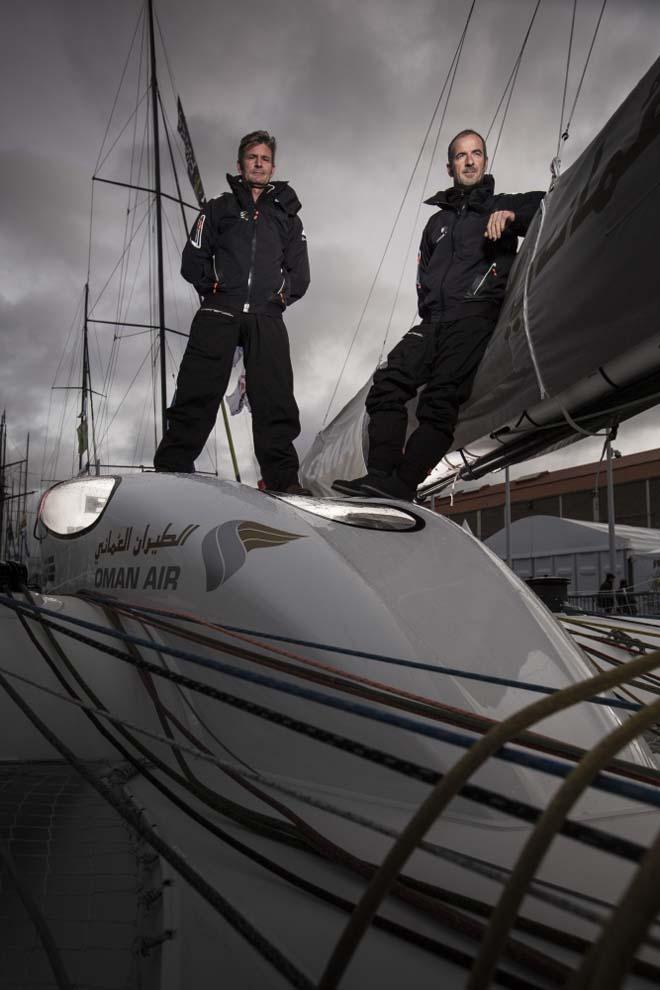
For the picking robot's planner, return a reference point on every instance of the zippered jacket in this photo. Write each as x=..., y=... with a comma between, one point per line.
x=460, y=271
x=247, y=257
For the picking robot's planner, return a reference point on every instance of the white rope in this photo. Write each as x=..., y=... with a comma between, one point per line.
x=525, y=306
x=545, y=394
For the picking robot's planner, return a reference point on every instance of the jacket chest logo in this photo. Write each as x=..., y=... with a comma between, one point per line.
x=196, y=239
x=443, y=232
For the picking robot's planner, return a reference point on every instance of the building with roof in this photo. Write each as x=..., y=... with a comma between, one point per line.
x=578, y=493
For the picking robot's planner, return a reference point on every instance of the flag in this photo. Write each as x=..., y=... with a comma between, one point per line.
x=82, y=436
x=238, y=399
x=191, y=161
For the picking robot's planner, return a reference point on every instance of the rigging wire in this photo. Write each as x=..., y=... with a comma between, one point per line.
x=113, y=361
x=472, y=905
x=603, y=841
x=60, y=434
x=454, y=66
x=378, y=691
x=536, y=846
x=174, y=90
x=394, y=225
x=514, y=70
x=578, y=692
x=584, y=71
x=460, y=774
x=114, y=143
x=135, y=819
x=121, y=80
x=566, y=74
x=188, y=703
x=36, y=917
x=410, y=891
x=123, y=399
x=198, y=687
x=325, y=647
x=132, y=199
x=483, y=868
x=127, y=246
x=105, y=286
x=73, y=325
x=514, y=79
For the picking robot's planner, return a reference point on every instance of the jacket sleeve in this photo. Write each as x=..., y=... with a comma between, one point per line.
x=197, y=260
x=296, y=263
x=524, y=205
x=423, y=258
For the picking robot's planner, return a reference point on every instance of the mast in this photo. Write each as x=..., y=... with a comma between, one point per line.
x=155, y=189
x=611, y=519
x=86, y=397
x=159, y=219
x=82, y=436
x=23, y=521
x=3, y=448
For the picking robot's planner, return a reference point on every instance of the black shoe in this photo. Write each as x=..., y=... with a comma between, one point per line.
x=295, y=489
x=353, y=488
x=390, y=487
x=298, y=489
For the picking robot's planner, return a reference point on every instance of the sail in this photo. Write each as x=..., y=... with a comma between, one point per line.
x=590, y=325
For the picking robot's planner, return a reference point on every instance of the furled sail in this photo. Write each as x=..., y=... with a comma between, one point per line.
x=580, y=321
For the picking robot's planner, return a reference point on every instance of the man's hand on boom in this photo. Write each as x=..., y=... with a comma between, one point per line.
x=497, y=222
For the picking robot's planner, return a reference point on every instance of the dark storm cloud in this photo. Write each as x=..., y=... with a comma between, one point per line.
x=348, y=89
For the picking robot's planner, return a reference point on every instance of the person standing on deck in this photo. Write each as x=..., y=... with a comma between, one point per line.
x=247, y=258
x=464, y=261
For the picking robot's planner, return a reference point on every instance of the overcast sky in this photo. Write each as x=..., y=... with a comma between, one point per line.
x=348, y=87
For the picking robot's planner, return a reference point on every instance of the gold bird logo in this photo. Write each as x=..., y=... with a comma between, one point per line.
x=225, y=547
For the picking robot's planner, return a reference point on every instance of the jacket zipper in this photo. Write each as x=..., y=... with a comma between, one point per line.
x=253, y=251
x=491, y=269
x=460, y=212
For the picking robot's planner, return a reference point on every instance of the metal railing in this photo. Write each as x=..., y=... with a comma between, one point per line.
x=644, y=603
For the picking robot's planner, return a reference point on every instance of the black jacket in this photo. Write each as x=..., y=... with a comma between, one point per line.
x=248, y=257
x=460, y=272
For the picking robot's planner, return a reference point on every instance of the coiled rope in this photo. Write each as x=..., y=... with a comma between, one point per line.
x=444, y=792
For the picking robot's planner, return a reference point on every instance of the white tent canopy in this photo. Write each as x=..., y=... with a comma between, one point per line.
x=536, y=535
x=542, y=545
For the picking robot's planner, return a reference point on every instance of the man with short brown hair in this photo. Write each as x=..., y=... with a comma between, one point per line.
x=247, y=258
x=466, y=254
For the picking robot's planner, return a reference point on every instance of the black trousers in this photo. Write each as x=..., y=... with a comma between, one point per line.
x=202, y=381
x=442, y=357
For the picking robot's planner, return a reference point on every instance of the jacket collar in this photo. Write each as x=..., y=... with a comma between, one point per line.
x=279, y=193
x=454, y=197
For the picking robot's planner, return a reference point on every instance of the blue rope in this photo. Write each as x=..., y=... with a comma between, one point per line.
x=469, y=675
x=620, y=788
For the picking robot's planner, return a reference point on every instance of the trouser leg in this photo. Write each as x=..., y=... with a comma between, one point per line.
x=458, y=352
x=407, y=367
x=275, y=416
x=201, y=383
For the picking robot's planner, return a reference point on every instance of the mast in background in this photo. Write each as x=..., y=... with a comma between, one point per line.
x=159, y=220
x=156, y=190
x=13, y=502
x=3, y=458
x=87, y=398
